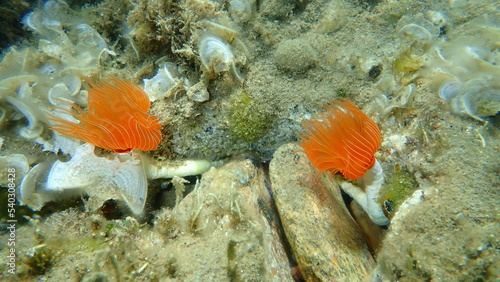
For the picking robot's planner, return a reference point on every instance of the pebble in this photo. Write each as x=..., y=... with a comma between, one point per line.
x=295, y=55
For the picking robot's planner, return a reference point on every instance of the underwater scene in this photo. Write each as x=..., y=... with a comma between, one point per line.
x=250, y=140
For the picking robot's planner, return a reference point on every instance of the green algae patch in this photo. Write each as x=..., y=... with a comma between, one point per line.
x=247, y=122
x=406, y=66
x=343, y=93
x=398, y=187
x=39, y=260
x=405, y=62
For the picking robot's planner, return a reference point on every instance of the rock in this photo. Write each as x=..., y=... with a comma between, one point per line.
x=327, y=243
x=295, y=55
x=373, y=232
x=226, y=229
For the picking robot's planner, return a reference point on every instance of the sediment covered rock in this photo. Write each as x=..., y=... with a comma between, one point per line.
x=326, y=241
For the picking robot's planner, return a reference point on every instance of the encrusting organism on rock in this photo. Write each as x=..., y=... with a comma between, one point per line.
x=116, y=118
x=344, y=139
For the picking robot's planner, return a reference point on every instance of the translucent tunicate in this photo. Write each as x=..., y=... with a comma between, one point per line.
x=466, y=68
x=52, y=24
x=49, y=69
x=29, y=184
x=217, y=56
x=417, y=28
x=89, y=36
x=240, y=10
x=34, y=128
x=55, y=9
x=49, y=20
x=480, y=99
x=51, y=49
x=33, y=20
x=198, y=92
x=74, y=84
x=87, y=171
x=29, y=110
x=450, y=89
x=57, y=93
x=437, y=18
x=167, y=78
x=100, y=178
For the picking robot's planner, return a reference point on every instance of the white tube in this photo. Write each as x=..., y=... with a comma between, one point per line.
x=155, y=170
x=373, y=180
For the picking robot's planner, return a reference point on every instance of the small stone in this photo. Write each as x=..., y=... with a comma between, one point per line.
x=295, y=55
